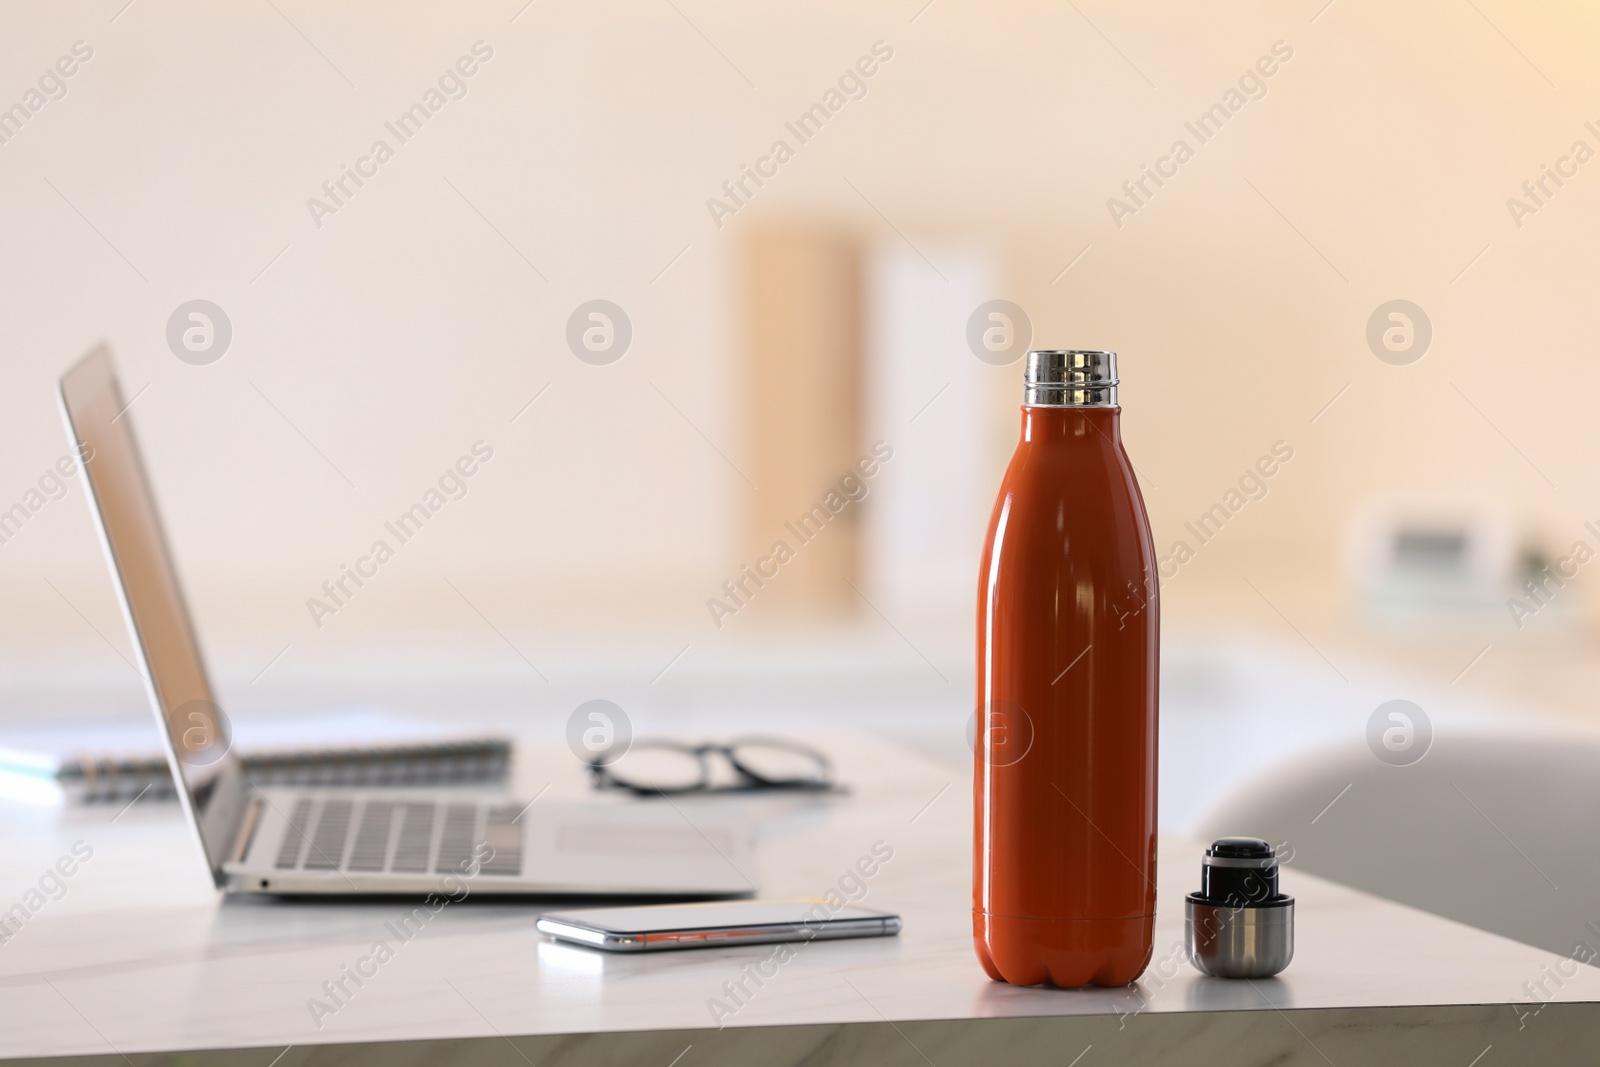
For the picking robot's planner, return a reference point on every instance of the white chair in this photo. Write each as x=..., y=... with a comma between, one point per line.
x=1500, y=832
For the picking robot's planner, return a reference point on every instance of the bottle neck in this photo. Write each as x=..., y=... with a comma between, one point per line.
x=1070, y=378
x=1045, y=423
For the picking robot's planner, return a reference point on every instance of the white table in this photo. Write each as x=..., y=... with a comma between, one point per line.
x=141, y=956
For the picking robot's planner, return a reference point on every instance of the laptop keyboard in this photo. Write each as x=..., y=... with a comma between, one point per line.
x=399, y=837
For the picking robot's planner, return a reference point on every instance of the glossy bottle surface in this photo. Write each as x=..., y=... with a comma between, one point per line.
x=1064, y=867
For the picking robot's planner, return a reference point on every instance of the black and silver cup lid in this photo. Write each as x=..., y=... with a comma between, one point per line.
x=1239, y=925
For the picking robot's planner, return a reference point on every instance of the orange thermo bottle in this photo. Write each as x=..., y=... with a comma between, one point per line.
x=1064, y=864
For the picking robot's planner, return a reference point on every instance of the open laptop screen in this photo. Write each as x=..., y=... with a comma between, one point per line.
x=152, y=602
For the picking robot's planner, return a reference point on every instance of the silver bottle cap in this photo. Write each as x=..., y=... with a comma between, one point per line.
x=1070, y=378
x=1253, y=942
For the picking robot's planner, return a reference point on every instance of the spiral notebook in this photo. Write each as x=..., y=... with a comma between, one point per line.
x=111, y=760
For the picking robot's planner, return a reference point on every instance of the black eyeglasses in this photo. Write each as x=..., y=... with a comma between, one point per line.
x=649, y=768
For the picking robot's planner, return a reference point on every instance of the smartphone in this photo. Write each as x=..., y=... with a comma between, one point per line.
x=650, y=927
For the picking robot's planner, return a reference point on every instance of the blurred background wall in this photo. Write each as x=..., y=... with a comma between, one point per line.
x=602, y=151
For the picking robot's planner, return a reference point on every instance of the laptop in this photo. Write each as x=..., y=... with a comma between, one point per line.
x=354, y=841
